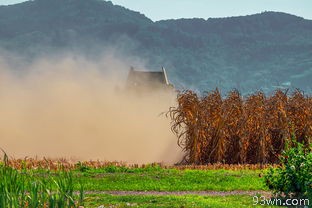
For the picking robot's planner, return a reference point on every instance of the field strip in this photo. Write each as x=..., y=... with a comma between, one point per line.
x=180, y=193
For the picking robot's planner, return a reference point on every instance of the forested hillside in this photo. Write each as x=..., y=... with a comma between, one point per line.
x=256, y=52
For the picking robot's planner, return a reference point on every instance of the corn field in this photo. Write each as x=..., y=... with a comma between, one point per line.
x=240, y=130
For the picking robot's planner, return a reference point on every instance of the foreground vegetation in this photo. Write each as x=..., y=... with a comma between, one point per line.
x=293, y=179
x=150, y=186
x=24, y=183
x=27, y=188
x=84, y=185
x=155, y=178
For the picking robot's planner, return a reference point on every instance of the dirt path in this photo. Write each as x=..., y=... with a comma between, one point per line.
x=180, y=193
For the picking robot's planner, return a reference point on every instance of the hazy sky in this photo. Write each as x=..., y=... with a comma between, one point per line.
x=168, y=9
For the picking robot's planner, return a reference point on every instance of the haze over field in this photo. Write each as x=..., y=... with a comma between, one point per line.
x=67, y=107
x=60, y=96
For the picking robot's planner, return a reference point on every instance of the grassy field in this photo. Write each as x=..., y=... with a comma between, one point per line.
x=159, y=179
x=153, y=186
x=171, y=201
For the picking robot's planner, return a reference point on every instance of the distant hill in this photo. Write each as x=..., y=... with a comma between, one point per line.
x=261, y=51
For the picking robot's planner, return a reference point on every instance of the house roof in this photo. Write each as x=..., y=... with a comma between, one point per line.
x=146, y=78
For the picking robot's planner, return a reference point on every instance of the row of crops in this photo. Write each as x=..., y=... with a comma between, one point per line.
x=55, y=165
x=237, y=129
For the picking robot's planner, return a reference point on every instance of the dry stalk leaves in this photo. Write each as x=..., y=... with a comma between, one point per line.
x=237, y=130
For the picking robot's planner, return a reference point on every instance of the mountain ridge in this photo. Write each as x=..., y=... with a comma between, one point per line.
x=253, y=52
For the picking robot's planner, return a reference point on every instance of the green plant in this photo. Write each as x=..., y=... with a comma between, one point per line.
x=82, y=167
x=293, y=179
x=37, y=188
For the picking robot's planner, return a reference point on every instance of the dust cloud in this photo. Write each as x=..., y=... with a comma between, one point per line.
x=74, y=108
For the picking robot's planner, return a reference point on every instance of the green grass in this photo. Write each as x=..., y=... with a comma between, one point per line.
x=158, y=179
x=27, y=188
x=54, y=184
x=170, y=201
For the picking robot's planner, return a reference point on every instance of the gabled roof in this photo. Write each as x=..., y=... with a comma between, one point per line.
x=146, y=78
